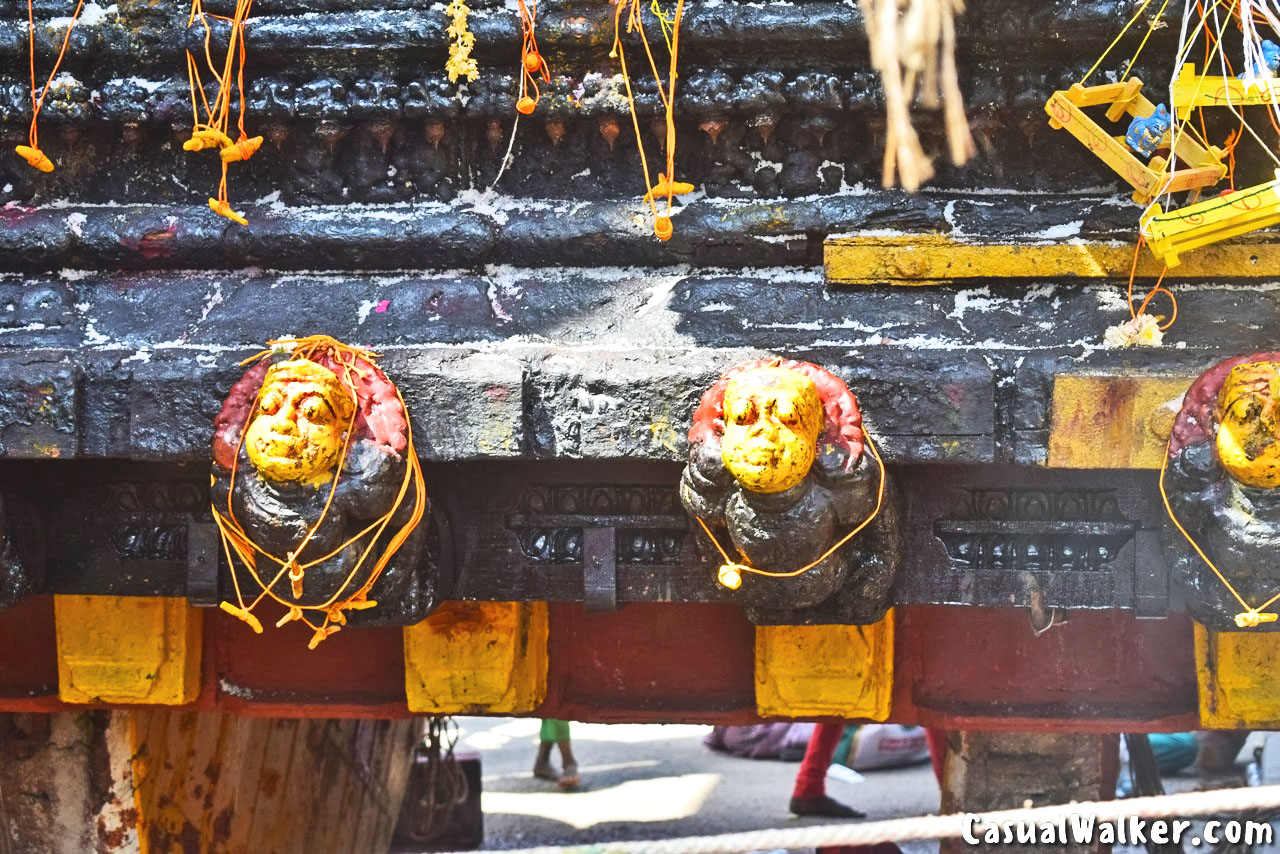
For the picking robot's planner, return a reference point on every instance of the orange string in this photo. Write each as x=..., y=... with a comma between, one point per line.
x=1155, y=289
x=231, y=68
x=38, y=102
x=666, y=96
x=529, y=47
x=1168, y=507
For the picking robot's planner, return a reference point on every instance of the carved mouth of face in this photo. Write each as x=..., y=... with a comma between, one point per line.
x=763, y=453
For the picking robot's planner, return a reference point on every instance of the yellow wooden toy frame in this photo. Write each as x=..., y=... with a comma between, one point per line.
x=1204, y=166
x=1211, y=220
x=1191, y=90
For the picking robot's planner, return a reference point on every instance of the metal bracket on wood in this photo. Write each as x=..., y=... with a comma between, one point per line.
x=600, y=568
x=202, y=564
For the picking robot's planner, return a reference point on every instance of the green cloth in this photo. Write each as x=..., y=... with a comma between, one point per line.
x=554, y=730
x=845, y=746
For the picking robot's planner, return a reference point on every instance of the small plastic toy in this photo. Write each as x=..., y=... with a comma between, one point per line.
x=1270, y=63
x=1198, y=166
x=1147, y=133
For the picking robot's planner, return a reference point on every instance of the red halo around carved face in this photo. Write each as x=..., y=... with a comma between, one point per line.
x=843, y=420
x=380, y=416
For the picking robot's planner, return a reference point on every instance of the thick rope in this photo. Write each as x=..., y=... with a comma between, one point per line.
x=1180, y=805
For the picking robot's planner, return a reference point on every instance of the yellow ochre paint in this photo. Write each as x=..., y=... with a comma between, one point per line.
x=477, y=657
x=840, y=671
x=772, y=418
x=930, y=259
x=127, y=649
x=298, y=429
x=1236, y=675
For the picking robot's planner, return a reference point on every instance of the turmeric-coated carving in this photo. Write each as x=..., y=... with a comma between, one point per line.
x=318, y=492
x=302, y=416
x=782, y=479
x=772, y=417
x=1220, y=483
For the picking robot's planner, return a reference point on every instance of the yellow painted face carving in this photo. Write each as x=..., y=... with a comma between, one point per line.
x=1248, y=424
x=298, y=429
x=772, y=418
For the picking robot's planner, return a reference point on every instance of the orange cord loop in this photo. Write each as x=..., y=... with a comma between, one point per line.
x=667, y=186
x=35, y=157
x=229, y=74
x=32, y=153
x=241, y=150
x=223, y=208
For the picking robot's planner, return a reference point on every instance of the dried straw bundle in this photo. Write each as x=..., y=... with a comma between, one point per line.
x=913, y=46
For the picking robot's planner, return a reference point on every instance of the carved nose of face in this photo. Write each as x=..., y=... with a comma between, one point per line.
x=285, y=423
x=767, y=428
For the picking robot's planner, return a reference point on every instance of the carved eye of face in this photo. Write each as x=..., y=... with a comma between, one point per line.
x=271, y=401
x=747, y=413
x=785, y=411
x=1245, y=408
x=316, y=410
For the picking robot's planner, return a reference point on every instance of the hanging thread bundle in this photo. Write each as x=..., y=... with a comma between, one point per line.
x=913, y=46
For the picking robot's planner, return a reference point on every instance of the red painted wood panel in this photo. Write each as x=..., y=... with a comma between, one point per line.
x=652, y=662
x=28, y=656
x=357, y=672
x=1101, y=671
x=955, y=667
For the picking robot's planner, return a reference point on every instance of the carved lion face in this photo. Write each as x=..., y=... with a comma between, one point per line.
x=1249, y=424
x=772, y=418
x=300, y=423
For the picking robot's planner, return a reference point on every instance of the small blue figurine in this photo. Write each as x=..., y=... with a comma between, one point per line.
x=1144, y=134
x=1270, y=60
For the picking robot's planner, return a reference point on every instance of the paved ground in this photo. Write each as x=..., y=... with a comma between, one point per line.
x=650, y=782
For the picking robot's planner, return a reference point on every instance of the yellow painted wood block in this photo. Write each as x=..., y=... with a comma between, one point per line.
x=1113, y=422
x=477, y=658
x=127, y=649
x=1236, y=672
x=1211, y=221
x=836, y=671
x=931, y=259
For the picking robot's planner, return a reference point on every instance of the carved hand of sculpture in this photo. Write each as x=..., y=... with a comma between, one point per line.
x=778, y=472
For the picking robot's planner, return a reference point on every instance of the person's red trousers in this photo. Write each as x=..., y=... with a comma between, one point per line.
x=811, y=778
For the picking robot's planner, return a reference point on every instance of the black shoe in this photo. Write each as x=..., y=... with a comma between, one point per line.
x=823, y=805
